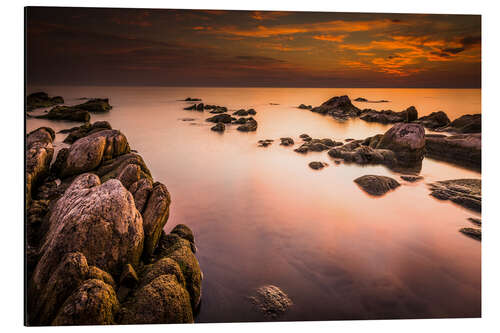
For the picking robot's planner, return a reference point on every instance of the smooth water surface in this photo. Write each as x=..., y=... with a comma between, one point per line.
x=262, y=216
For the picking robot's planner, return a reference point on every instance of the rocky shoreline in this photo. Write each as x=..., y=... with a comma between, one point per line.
x=96, y=250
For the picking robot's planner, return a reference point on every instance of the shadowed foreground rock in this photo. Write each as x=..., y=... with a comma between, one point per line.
x=376, y=185
x=66, y=113
x=271, y=301
x=407, y=141
x=79, y=132
x=464, y=192
x=469, y=123
x=97, y=218
x=434, y=120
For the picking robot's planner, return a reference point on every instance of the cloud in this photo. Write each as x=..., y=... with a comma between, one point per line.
x=281, y=47
x=262, y=16
x=262, y=31
x=331, y=38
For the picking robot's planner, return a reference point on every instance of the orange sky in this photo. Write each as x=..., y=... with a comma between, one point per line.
x=251, y=48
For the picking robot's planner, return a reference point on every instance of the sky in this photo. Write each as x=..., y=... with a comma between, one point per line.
x=163, y=47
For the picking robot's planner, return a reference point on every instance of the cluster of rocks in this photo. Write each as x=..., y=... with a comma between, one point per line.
x=96, y=251
x=244, y=113
x=246, y=124
x=216, y=109
x=42, y=100
x=317, y=145
x=80, y=112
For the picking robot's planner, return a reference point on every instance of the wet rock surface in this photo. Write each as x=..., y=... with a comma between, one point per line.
x=250, y=125
x=464, y=192
x=389, y=116
x=317, y=165
x=460, y=149
x=287, y=141
x=376, y=185
x=271, y=301
x=219, y=127
x=472, y=232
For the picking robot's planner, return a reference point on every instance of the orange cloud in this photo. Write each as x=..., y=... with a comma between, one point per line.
x=331, y=38
x=281, y=47
x=262, y=31
x=262, y=16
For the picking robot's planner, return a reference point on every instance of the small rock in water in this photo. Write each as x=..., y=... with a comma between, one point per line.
x=472, y=232
x=376, y=185
x=286, y=141
x=219, y=127
x=271, y=301
x=475, y=220
x=265, y=143
x=411, y=179
x=317, y=165
x=187, y=119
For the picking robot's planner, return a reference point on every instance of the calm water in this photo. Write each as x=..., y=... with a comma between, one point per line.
x=262, y=216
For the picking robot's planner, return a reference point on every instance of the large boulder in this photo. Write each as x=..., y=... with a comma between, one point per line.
x=407, y=141
x=39, y=153
x=162, y=301
x=338, y=107
x=100, y=221
x=155, y=217
x=89, y=152
x=271, y=301
x=461, y=149
x=376, y=185
x=93, y=303
x=115, y=167
x=49, y=290
x=79, y=132
x=179, y=246
x=140, y=191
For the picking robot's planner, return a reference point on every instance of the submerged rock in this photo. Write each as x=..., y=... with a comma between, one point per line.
x=219, y=127
x=95, y=105
x=461, y=149
x=287, y=141
x=475, y=220
x=271, y=301
x=189, y=99
x=472, y=232
x=362, y=99
x=66, y=113
x=265, y=143
x=464, y=192
x=221, y=118
x=339, y=107
x=249, y=126
x=317, y=165
x=241, y=113
x=42, y=100
x=305, y=107
x=376, y=185
x=317, y=145
x=411, y=179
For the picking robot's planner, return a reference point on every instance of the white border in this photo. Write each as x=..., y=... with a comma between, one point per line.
x=12, y=131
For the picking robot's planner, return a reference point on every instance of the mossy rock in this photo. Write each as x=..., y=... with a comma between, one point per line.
x=162, y=301
x=93, y=303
